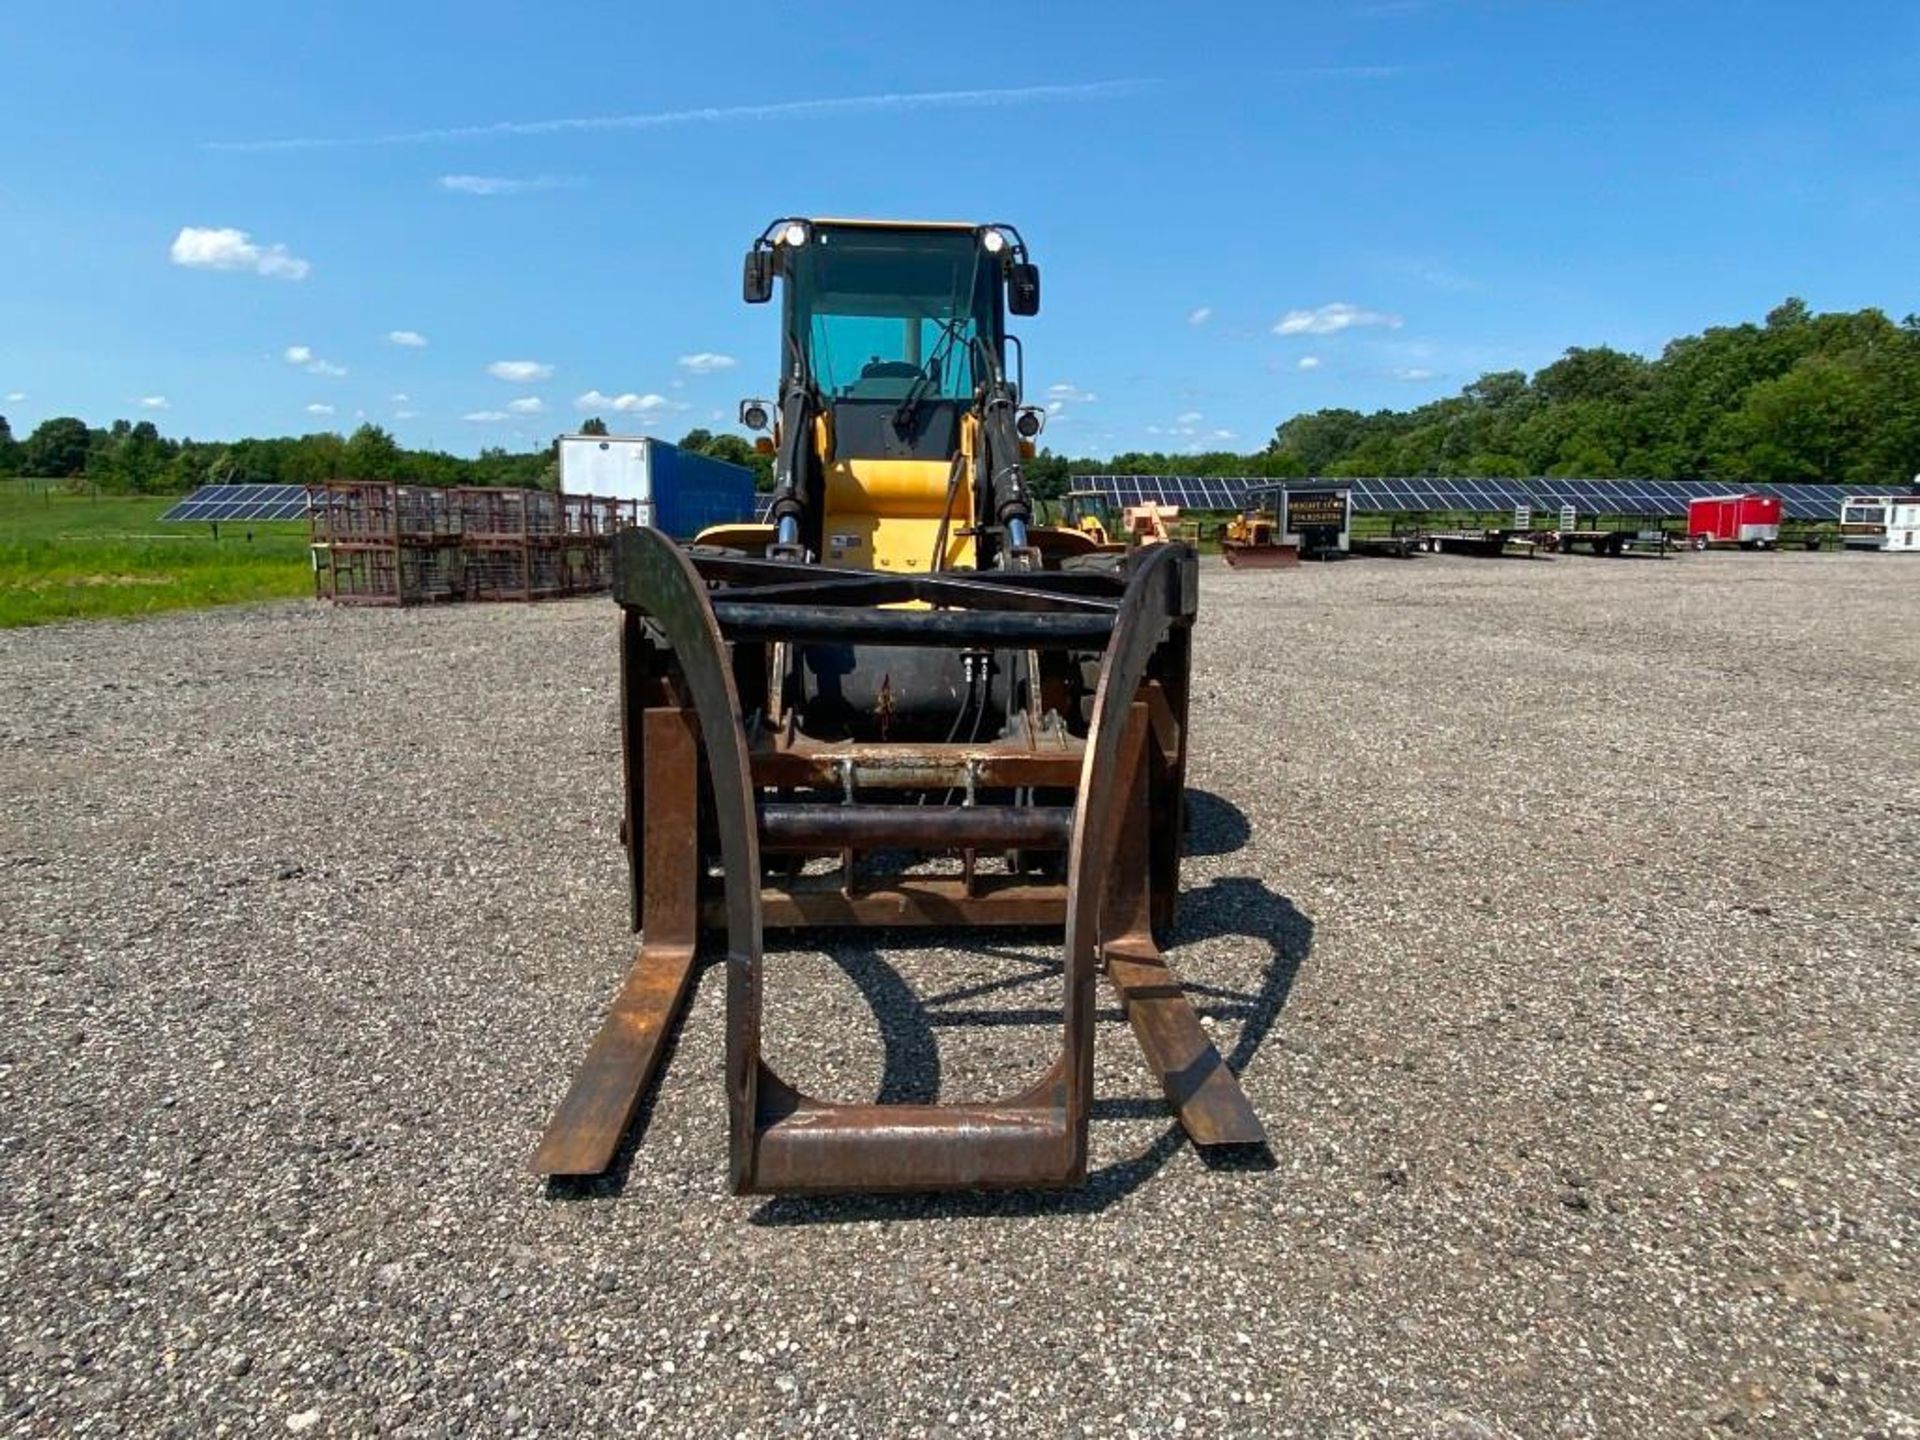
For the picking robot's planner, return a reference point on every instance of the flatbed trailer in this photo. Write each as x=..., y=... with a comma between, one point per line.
x=1609, y=543
x=1597, y=542
x=1648, y=542
x=1486, y=544
x=1394, y=547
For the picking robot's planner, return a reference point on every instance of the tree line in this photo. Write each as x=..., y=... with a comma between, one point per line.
x=134, y=458
x=1830, y=398
x=1801, y=396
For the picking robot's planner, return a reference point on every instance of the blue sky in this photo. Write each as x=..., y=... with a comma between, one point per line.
x=1241, y=211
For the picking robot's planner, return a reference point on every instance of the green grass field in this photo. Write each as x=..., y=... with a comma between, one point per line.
x=77, y=557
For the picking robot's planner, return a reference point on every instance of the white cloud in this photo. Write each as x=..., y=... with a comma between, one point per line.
x=411, y=339
x=319, y=409
x=527, y=405
x=154, y=402
x=1416, y=372
x=1331, y=319
x=399, y=397
x=486, y=417
x=706, y=362
x=406, y=414
x=1309, y=362
x=15, y=396
x=1054, y=407
x=504, y=184
x=1200, y=315
x=1226, y=435
x=202, y=248
x=303, y=356
x=521, y=372
x=1190, y=417
x=1066, y=390
x=627, y=404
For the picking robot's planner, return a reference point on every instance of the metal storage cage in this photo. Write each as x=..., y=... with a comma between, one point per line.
x=378, y=543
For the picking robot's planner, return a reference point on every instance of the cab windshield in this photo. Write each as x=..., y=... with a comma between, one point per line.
x=877, y=312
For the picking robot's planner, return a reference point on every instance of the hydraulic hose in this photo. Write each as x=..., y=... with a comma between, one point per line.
x=792, y=494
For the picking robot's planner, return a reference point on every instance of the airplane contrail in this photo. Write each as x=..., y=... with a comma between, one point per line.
x=661, y=119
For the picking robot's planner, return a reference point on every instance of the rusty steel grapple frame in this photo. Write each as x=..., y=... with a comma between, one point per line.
x=710, y=788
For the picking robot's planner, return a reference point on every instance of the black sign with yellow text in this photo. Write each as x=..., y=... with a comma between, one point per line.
x=1314, y=509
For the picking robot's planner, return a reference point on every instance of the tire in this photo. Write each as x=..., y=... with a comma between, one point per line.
x=1700, y=543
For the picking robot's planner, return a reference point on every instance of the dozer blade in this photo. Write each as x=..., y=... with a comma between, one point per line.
x=1260, y=557
x=696, y=630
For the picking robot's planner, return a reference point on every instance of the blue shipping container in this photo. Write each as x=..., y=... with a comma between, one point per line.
x=692, y=491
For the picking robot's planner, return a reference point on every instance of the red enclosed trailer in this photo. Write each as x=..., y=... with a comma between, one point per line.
x=1750, y=521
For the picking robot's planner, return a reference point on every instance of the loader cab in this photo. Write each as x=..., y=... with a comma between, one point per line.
x=893, y=352
x=887, y=324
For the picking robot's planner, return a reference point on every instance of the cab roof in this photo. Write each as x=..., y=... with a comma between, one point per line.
x=871, y=224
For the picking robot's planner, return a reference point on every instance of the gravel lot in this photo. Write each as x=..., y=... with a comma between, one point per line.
x=1562, y=916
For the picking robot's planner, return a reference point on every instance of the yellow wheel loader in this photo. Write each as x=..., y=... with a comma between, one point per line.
x=899, y=702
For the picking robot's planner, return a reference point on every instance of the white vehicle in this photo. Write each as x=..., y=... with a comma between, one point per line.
x=1882, y=522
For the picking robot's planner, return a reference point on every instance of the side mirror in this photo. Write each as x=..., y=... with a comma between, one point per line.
x=756, y=279
x=1023, y=289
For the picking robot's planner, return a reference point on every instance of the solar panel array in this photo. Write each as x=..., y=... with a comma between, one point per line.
x=242, y=502
x=1654, y=499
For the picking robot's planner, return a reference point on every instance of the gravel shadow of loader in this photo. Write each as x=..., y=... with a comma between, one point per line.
x=1238, y=905
x=1242, y=906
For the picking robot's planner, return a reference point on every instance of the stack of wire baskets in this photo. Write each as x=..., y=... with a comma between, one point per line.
x=378, y=543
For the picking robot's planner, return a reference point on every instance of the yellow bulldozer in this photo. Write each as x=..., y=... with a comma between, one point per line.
x=1251, y=540
x=900, y=701
x=1090, y=513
